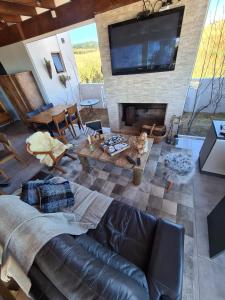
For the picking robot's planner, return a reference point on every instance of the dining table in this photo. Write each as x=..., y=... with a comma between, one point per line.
x=45, y=117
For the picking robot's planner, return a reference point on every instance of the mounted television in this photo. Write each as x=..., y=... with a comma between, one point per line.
x=146, y=45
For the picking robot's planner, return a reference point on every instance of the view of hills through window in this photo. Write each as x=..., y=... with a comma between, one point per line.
x=86, y=51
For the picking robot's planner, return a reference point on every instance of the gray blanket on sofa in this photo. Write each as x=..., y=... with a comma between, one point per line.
x=24, y=230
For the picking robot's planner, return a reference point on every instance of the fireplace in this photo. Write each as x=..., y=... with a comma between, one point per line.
x=135, y=115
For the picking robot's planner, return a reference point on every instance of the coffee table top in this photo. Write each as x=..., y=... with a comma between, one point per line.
x=118, y=160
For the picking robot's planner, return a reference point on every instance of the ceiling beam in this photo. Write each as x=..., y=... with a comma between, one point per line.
x=34, y=3
x=10, y=18
x=68, y=14
x=15, y=9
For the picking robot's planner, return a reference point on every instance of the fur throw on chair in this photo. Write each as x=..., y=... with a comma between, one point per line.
x=44, y=142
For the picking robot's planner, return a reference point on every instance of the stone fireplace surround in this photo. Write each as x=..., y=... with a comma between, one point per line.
x=166, y=87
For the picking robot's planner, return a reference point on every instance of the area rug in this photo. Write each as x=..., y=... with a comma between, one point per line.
x=150, y=196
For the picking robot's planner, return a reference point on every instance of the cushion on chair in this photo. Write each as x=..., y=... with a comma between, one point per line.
x=46, y=106
x=53, y=197
x=51, y=126
x=33, y=113
x=73, y=117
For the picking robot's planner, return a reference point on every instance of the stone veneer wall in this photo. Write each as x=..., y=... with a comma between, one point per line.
x=165, y=87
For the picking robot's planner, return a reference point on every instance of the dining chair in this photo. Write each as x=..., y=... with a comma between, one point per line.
x=74, y=118
x=8, y=153
x=60, y=124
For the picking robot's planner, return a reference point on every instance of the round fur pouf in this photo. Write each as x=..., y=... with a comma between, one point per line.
x=179, y=168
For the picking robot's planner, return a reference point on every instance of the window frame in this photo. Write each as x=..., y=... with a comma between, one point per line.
x=63, y=68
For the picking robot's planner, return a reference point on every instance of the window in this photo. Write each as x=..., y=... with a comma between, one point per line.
x=58, y=62
x=86, y=52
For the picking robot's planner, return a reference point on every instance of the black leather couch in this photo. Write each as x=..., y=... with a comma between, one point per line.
x=130, y=255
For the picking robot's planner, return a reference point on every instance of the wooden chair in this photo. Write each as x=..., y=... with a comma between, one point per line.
x=56, y=160
x=8, y=153
x=60, y=124
x=5, y=117
x=74, y=117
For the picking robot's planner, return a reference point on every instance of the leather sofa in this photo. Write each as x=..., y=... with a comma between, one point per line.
x=130, y=255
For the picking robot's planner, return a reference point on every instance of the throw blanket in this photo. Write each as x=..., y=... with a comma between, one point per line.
x=24, y=230
x=43, y=142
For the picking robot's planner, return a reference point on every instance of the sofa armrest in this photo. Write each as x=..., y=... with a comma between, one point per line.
x=165, y=272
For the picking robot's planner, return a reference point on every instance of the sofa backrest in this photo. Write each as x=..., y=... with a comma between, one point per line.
x=127, y=231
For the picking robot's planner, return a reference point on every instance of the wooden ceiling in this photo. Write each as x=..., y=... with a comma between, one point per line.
x=24, y=19
x=15, y=11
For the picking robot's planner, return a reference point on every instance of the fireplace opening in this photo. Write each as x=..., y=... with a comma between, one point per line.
x=136, y=115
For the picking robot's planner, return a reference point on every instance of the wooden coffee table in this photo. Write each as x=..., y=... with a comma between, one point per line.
x=119, y=160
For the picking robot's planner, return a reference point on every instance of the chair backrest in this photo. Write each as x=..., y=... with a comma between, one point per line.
x=33, y=113
x=46, y=106
x=5, y=141
x=73, y=111
x=59, y=119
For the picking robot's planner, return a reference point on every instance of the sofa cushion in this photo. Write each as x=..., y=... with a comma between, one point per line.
x=81, y=268
x=53, y=197
x=29, y=192
x=127, y=231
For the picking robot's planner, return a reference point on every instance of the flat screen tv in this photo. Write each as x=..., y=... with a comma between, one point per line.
x=146, y=45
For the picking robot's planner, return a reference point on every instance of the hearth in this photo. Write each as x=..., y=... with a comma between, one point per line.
x=138, y=114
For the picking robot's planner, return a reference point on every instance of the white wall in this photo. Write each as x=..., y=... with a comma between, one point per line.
x=55, y=91
x=165, y=87
x=15, y=59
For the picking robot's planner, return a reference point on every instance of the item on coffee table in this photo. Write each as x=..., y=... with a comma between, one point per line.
x=89, y=139
x=115, y=144
x=138, y=161
x=142, y=143
x=131, y=161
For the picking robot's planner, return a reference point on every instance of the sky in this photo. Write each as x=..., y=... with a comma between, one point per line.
x=84, y=34
x=219, y=7
x=89, y=33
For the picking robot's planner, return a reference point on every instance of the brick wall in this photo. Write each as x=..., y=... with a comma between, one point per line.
x=165, y=87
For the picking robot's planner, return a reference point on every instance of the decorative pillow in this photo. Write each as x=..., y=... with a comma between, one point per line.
x=29, y=192
x=53, y=197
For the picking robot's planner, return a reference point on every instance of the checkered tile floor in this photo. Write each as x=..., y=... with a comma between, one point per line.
x=150, y=196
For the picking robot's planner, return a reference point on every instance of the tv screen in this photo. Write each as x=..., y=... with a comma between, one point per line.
x=146, y=45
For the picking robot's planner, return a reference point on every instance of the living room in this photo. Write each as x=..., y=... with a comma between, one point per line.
x=117, y=203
